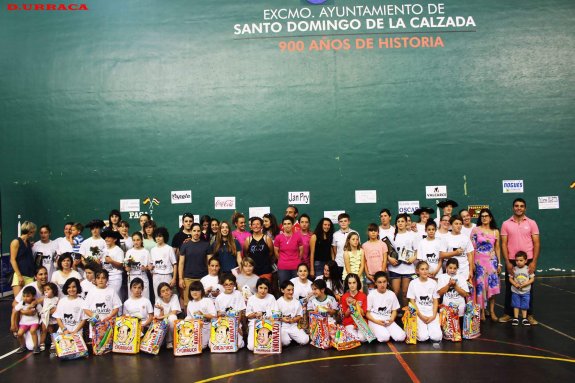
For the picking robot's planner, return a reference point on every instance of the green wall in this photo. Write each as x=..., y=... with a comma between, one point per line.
x=135, y=99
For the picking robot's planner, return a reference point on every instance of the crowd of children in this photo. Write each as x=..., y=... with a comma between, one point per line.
x=411, y=266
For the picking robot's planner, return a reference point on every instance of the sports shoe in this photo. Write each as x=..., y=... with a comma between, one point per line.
x=37, y=350
x=504, y=319
x=170, y=345
x=532, y=320
x=42, y=347
x=21, y=350
x=525, y=322
x=515, y=322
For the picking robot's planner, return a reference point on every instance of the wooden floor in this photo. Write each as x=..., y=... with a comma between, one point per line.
x=543, y=353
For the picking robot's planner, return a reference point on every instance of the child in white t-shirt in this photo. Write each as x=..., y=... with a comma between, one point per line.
x=459, y=246
x=429, y=248
x=302, y=285
x=246, y=279
x=102, y=303
x=200, y=307
x=211, y=281
x=167, y=306
x=48, y=308
x=291, y=313
x=69, y=314
x=452, y=286
x=422, y=293
x=382, y=306
x=29, y=320
x=163, y=260
x=89, y=283
x=137, y=305
x=231, y=300
x=259, y=305
x=137, y=261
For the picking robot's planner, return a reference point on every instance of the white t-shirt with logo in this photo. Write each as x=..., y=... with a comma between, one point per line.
x=290, y=309
x=48, y=253
x=428, y=250
x=403, y=241
x=117, y=255
x=91, y=242
x=102, y=301
x=163, y=259
x=172, y=305
x=300, y=290
x=424, y=293
x=452, y=296
x=234, y=301
x=138, y=307
x=70, y=312
x=382, y=305
x=138, y=258
x=454, y=242
x=204, y=305
x=265, y=305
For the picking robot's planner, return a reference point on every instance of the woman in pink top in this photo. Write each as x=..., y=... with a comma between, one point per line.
x=304, y=224
x=288, y=248
x=240, y=233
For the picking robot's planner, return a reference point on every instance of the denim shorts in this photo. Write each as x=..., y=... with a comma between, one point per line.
x=520, y=301
x=393, y=275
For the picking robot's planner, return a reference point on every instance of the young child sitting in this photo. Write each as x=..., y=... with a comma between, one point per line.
x=521, y=282
x=29, y=320
x=382, y=306
x=167, y=306
x=259, y=305
x=231, y=300
x=422, y=292
x=200, y=307
x=291, y=312
x=353, y=297
x=452, y=286
x=137, y=305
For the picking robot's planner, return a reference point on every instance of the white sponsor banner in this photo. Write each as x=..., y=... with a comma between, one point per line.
x=512, y=186
x=332, y=215
x=181, y=196
x=298, y=198
x=549, y=202
x=436, y=192
x=224, y=203
x=259, y=211
x=129, y=205
x=407, y=206
x=365, y=196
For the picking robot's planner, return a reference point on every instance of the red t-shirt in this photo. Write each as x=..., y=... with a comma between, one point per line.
x=361, y=299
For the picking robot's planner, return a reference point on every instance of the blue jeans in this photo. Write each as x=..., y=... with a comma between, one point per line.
x=286, y=275
x=318, y=267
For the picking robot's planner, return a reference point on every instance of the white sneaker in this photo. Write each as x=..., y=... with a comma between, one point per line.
x=170, y=345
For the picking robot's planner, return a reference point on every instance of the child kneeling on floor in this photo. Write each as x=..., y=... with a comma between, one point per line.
x=291, y=313
x=422, y=292
x=382, y=306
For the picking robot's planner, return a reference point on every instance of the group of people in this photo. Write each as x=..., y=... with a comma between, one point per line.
x=210, y=269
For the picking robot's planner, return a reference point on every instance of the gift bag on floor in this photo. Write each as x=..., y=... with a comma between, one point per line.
x=361, y=324
x=341, y=339
x=69, y=346
x=449, y=319
x=471, y=321
x=409, y=320
x=102, y=336
x=154, y=337
x=319, y=330
x=224, y=333
x=127, y=334
x=267, y=336
x=188, y=337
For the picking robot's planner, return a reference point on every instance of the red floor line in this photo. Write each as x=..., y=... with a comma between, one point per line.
x=16, y=362
x=403, y=363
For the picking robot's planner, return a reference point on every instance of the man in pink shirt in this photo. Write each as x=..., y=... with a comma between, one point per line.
x=519, y=233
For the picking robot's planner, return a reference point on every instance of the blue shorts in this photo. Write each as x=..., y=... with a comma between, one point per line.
x=520, y=301
x=393, y=275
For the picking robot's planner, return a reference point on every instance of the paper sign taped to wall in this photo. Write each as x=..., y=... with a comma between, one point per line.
x=475, y=209
x=332, y=215
x=433, y=192
x=366, y=196
x=127, y=205
x=549, y=202
x=224, y=203
x=259, y=211
x=512, y=186
x=298, y=198
x=182, y=196
x=407, y=207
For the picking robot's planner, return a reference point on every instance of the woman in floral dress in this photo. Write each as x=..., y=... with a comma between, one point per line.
x=487, y=258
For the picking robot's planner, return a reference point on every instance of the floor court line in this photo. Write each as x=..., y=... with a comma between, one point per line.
x=546, y=326
x=403, y=363
x=470, y=353
x=557, y=288
x=8, y=354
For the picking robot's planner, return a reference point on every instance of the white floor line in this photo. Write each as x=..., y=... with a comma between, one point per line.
x=557, y=288
x=8, y=354
x=546, y=326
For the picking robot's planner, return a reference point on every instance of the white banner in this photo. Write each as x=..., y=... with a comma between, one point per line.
x=129, y=205
x=512, y=186
x=298, y=198
x=407, y=206
x=366, y=196
x=182, y=196
x=224, y=203
x=436, y=192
